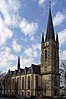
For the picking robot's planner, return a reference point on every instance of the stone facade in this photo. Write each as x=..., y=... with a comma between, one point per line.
x=43, y=79
x=19, y=84
x=50, y=67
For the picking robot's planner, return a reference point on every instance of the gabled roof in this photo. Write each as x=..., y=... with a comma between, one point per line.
x=16, y=71
x=25, y=70
x=20, y=71
x=11, y=72
x=50, y=29
x=34, y=69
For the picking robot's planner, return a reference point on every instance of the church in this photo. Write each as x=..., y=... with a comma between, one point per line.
x=42, y=79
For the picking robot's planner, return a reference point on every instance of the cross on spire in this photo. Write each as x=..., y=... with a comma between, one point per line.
x=50, y=4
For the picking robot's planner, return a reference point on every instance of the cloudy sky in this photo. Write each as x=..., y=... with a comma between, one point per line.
x=21, y=25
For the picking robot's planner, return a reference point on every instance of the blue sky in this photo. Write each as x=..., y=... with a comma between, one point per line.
x=21, y=25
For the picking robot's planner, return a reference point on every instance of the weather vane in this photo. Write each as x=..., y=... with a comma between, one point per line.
x=49, y=3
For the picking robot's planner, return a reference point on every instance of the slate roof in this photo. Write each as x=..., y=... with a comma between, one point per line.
x=50, y=29
x=27, y=70
x=36, y=69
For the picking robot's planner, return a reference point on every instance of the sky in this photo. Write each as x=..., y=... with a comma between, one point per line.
x=21, y=25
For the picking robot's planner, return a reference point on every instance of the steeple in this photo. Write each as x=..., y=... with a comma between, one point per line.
x=18, y=65
x=42, y=37
x=50, y=29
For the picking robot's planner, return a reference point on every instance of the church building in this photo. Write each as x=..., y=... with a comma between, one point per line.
x=42, y=79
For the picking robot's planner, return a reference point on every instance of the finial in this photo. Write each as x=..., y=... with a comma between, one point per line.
x=49, y=4
x=42, y=37
x=18, y=63
x=57, y=38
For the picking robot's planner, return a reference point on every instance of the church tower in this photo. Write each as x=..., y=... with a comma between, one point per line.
x=50, y=78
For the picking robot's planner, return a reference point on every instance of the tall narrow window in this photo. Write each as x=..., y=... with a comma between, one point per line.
x=36, y=80
x=28, y=82
x=17, y=85
x=45, y=54
x=45, y=68
x=22, y=83
x=13, y=84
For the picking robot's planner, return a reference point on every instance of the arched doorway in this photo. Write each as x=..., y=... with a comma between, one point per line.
x=39, y=91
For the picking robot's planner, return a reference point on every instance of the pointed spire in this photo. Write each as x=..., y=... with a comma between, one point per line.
x=50, y=29
x=18, y=63
x=57, y=41
x=42, y=37
x=9, y=71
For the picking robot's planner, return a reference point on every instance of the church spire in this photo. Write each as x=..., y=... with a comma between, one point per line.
x=18, y=63
x=50, y=28
x=42, y=37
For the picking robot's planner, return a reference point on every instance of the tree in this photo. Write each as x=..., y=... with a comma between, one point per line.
x=46, y=85
x=2, y=76
x=63, y=74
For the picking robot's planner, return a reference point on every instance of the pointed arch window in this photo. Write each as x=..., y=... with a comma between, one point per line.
x=36, y=80
x=45, y=54
x=28, y=82
x=22, y=83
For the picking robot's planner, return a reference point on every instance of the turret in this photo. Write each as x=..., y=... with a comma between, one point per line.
x=42, y=37
x=18, y=65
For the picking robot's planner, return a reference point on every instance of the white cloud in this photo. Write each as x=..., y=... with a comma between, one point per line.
x=16, y=46
x=12, y=68
x=26, y=62
x=63, y=55
x=28, y=52
x=9, y=10
x=6, y=54
x=6, y=58
x=41, y=2
x=8, y=17
x=62, y=37
x=5, y=32
x=28, y=28
x=32, y=37
x=54, y=2
x=14, y=5
x=37, y=46
x=59, y=18
x=31, y=52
